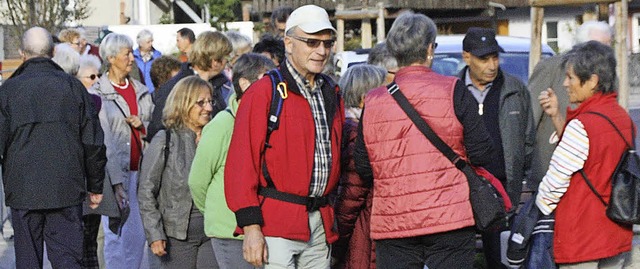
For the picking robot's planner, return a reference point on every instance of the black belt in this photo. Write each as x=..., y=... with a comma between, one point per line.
x=312, y=203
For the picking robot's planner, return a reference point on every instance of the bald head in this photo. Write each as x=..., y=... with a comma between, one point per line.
x=37, y=42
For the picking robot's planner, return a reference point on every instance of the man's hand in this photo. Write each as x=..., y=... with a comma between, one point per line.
x=158, y=247
x=94, y=200
x=254, y=249
x=121, y=196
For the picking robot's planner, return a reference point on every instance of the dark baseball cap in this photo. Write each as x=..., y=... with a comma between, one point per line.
x=480, y=42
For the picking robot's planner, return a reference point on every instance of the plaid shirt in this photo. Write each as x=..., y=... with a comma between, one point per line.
x=322, y=152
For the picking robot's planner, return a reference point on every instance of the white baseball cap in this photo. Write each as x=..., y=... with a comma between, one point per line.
x=310, y=19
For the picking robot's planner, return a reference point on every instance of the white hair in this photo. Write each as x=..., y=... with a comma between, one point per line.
x=67, y=58
x=88, y=60
x=588, y=29
x=143, y=36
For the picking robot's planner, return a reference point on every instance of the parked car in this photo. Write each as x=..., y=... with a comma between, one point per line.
x=448, y=56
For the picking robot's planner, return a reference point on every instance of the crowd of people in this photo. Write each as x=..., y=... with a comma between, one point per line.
x=238, y=155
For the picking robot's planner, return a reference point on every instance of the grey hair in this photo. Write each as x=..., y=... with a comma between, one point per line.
x=37, y=42
x=358, y=80
x=409, y=38
x=585, y=31
x=249, y=66
x=88, y=60
x=238, y=41
x=144, y=35
x=67, y=58
x=380, y=56
x=593, y=58
x=112, y=44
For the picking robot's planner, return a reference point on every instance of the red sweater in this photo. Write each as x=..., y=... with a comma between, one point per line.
x=129, y=95
x=289, y=161
x=582, y=231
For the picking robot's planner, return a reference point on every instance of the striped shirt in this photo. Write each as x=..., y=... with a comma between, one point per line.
x=568, y=158
x=322, y=151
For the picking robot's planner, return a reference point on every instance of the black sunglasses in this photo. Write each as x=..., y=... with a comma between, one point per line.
x=94, y=76
x=314, y=43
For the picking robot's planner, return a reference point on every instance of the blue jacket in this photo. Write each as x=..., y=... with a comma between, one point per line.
x=145, y=68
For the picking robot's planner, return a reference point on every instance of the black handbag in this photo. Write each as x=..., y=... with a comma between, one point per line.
x=624, y=202
x=486, y=203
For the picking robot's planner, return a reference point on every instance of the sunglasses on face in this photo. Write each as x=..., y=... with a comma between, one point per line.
x=314, y=43
x=93, y=76
x=202, y=103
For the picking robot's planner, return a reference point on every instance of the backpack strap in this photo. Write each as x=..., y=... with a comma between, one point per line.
x=278, y=94
x=633, y=129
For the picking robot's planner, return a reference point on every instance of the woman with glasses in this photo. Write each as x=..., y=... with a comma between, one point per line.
x=173, y=225
x=125, y=114
x=88, y=70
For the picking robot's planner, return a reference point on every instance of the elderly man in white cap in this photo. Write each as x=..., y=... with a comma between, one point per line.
x=277, y=182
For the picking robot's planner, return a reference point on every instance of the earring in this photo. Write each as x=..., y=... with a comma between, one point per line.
x=429, y=57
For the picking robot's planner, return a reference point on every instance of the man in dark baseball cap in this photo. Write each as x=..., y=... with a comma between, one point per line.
x=481, y=41
x=504, y=104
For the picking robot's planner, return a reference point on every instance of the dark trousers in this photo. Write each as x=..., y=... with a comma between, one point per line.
x=453, y=249
x=60, y=229
x=90, y=245
x=491, y=249
x=193, y=252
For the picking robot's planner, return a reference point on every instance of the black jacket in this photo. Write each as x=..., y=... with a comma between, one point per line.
x=50, y=138
x=161, y=94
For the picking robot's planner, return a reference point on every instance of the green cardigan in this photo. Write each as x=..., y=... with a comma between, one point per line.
x=206, y=178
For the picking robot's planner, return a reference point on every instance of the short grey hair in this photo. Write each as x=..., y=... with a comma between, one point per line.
x=37, y=42
x=584, y=32
x=88, y=60
x=67, y=58
x=144, y=35
x=112, y=44
x=409, y=38
x=358, y=80
x=593, y=58
x=380, y=56
x=238, y=41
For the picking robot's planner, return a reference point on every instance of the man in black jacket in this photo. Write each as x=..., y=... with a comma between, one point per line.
x=52, y=154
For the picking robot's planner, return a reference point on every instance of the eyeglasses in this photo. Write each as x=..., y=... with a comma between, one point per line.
x=202, y=103
x=314, y=43
x=435, y=45
x=93, y=76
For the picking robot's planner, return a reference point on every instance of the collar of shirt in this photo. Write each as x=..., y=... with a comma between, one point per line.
x=303, y=83
x=477, y=93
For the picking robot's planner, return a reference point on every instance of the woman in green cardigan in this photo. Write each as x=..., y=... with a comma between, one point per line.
x=206, y=179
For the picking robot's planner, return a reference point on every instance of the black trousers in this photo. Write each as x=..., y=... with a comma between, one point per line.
x=60, y=228
x=453, y=249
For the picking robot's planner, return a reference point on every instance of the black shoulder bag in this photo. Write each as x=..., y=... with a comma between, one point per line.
x=486, y=203
x=624, y=203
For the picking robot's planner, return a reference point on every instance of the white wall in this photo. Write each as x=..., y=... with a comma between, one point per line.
x=164, y=35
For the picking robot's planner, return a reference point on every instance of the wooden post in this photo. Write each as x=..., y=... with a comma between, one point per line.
x=365, y=33
x=380, y=27
x=537, y=18
x=340, y=26
x=621, y=10
x=547, y=3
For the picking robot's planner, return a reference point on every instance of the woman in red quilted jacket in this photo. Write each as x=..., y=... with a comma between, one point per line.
x=354, y=248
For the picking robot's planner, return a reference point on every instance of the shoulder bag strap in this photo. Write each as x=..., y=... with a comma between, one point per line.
x=422, y=125
x=593, y=189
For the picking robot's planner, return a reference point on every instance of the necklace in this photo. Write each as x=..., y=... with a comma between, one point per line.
x=126, y=84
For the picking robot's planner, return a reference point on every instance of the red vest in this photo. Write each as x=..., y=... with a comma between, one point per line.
x=582, y=231
x=417, y=191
